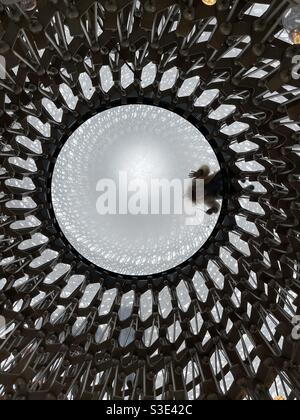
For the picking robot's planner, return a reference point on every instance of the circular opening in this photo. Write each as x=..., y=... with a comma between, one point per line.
x=116, y=190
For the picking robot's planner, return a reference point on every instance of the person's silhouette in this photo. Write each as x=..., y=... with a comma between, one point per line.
x=213, y=188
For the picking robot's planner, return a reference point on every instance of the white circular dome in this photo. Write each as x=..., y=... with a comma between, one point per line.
x=145, y=143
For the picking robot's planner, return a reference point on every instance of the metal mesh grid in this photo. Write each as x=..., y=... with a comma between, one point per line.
x=217, y=327
x=140, y=143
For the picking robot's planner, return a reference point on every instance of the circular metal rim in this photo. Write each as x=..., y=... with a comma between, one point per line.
x=176, y=271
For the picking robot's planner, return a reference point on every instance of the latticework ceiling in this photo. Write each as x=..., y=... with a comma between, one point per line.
x=220, y=325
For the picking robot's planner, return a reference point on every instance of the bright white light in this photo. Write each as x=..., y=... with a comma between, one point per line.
x=148, y=143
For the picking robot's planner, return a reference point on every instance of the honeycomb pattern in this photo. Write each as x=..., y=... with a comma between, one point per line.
x=217, y=327
x=147, y=143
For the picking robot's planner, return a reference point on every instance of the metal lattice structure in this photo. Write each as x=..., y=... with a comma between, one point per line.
x=218, y=327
